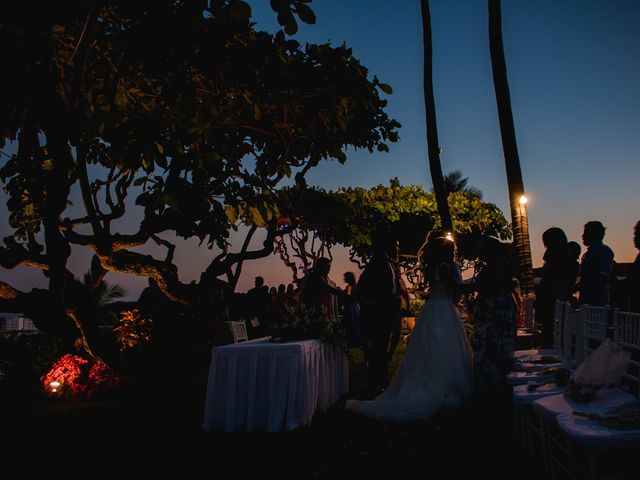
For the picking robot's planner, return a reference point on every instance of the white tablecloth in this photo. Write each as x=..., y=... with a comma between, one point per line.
x=275, y=386
x=550, y=407
x=592, y=434
x=523, y=396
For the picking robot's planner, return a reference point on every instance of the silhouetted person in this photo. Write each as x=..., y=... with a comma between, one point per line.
x=257, y=306
x=316, y=291
x=596, y=266
x=632, y=283
x=557, y=282
x=396, y=320
x=351, y=317
x=152, y=302
x=575, y=250
x=495, y=317
x=379, y=295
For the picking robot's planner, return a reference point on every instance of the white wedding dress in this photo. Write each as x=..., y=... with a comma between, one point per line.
x=436, y=371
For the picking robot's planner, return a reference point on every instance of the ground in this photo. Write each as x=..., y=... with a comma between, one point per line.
x=475, y=440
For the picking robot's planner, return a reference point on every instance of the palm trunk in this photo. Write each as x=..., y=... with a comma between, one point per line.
x=510, y=147
x=432, y=129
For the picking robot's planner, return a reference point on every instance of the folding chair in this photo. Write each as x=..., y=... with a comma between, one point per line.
x=594, y=328
x=239, y=331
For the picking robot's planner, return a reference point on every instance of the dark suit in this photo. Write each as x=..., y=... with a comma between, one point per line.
x=379, y=303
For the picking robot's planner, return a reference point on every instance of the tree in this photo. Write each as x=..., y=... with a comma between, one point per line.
x=432, y=127
x=510, y=146
x=352, y=216
x=455, y=182
x=180, y=104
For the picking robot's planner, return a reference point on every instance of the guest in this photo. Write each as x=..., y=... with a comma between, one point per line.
x=558, y=279
x=396, y=321
x=495, y=317
x=316, y=290
x=257, y=307
x=632, y=282
x=379, y=296
x=596, y=266
x=575, y=250
x=292, y=297
x=351, y=316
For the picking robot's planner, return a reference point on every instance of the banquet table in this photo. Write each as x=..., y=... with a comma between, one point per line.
x=273, y=386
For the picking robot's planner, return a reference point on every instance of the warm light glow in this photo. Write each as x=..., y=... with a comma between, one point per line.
x=448, y=236
x=54, y=386
x=523, y=199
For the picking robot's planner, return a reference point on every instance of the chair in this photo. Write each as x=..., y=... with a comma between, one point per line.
x=626, y=333
x=594, y=328
x=560, y=312
x=239, y=331
x=601, y=454
x=572, y=341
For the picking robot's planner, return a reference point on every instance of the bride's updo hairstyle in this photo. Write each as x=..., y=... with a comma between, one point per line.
x=438, y=250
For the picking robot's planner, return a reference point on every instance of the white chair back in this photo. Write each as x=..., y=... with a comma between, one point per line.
x=239, y=331
x=594, y=328
x=559, y=315
x=572, y=342
x=626, y=333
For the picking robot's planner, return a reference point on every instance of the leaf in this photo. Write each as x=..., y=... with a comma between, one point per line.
x=305, y=13
x=382, y=147
x=28, y=209
x=120, y=99
x=386, y=88
x=240, y=10
x=168, y=199
x=286, y=19
x=256, y=216
x=232, y=213
x=47, y=165
x=277, y=5
x=160, y=148
x=139, y=181
x=257, y=114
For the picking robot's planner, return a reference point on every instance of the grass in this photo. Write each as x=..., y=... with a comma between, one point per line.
x=337, y=442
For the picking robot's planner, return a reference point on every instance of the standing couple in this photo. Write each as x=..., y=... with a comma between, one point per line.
x=437, y=369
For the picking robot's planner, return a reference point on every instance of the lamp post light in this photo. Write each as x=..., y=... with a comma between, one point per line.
x=523, y=246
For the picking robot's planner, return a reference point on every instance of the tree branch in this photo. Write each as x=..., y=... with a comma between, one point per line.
x=15, y=254
x=7, y=292
x=170, y=247
x=233, y=281
x=125, y=261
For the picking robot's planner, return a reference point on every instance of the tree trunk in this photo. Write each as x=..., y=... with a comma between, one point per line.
x=432, y=129
x=510, y=147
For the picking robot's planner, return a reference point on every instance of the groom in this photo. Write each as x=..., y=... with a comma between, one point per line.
x=379, y=295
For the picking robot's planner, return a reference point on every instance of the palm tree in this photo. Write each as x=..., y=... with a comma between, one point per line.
x=432, y=129
x=510, y=147
x=101, y=298
x=455, y=182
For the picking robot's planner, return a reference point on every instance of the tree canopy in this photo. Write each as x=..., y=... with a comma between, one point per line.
x=183, y=105
x=353, y=216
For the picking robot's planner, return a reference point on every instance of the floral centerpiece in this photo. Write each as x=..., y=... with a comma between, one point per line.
x=306, y=323
x=602, y=369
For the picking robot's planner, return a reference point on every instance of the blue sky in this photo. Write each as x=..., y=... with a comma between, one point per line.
x=574, y=73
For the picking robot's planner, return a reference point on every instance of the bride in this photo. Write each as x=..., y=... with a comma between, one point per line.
x=437, y=369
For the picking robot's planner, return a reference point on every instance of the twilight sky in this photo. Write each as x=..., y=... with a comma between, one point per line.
x=574, y=73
